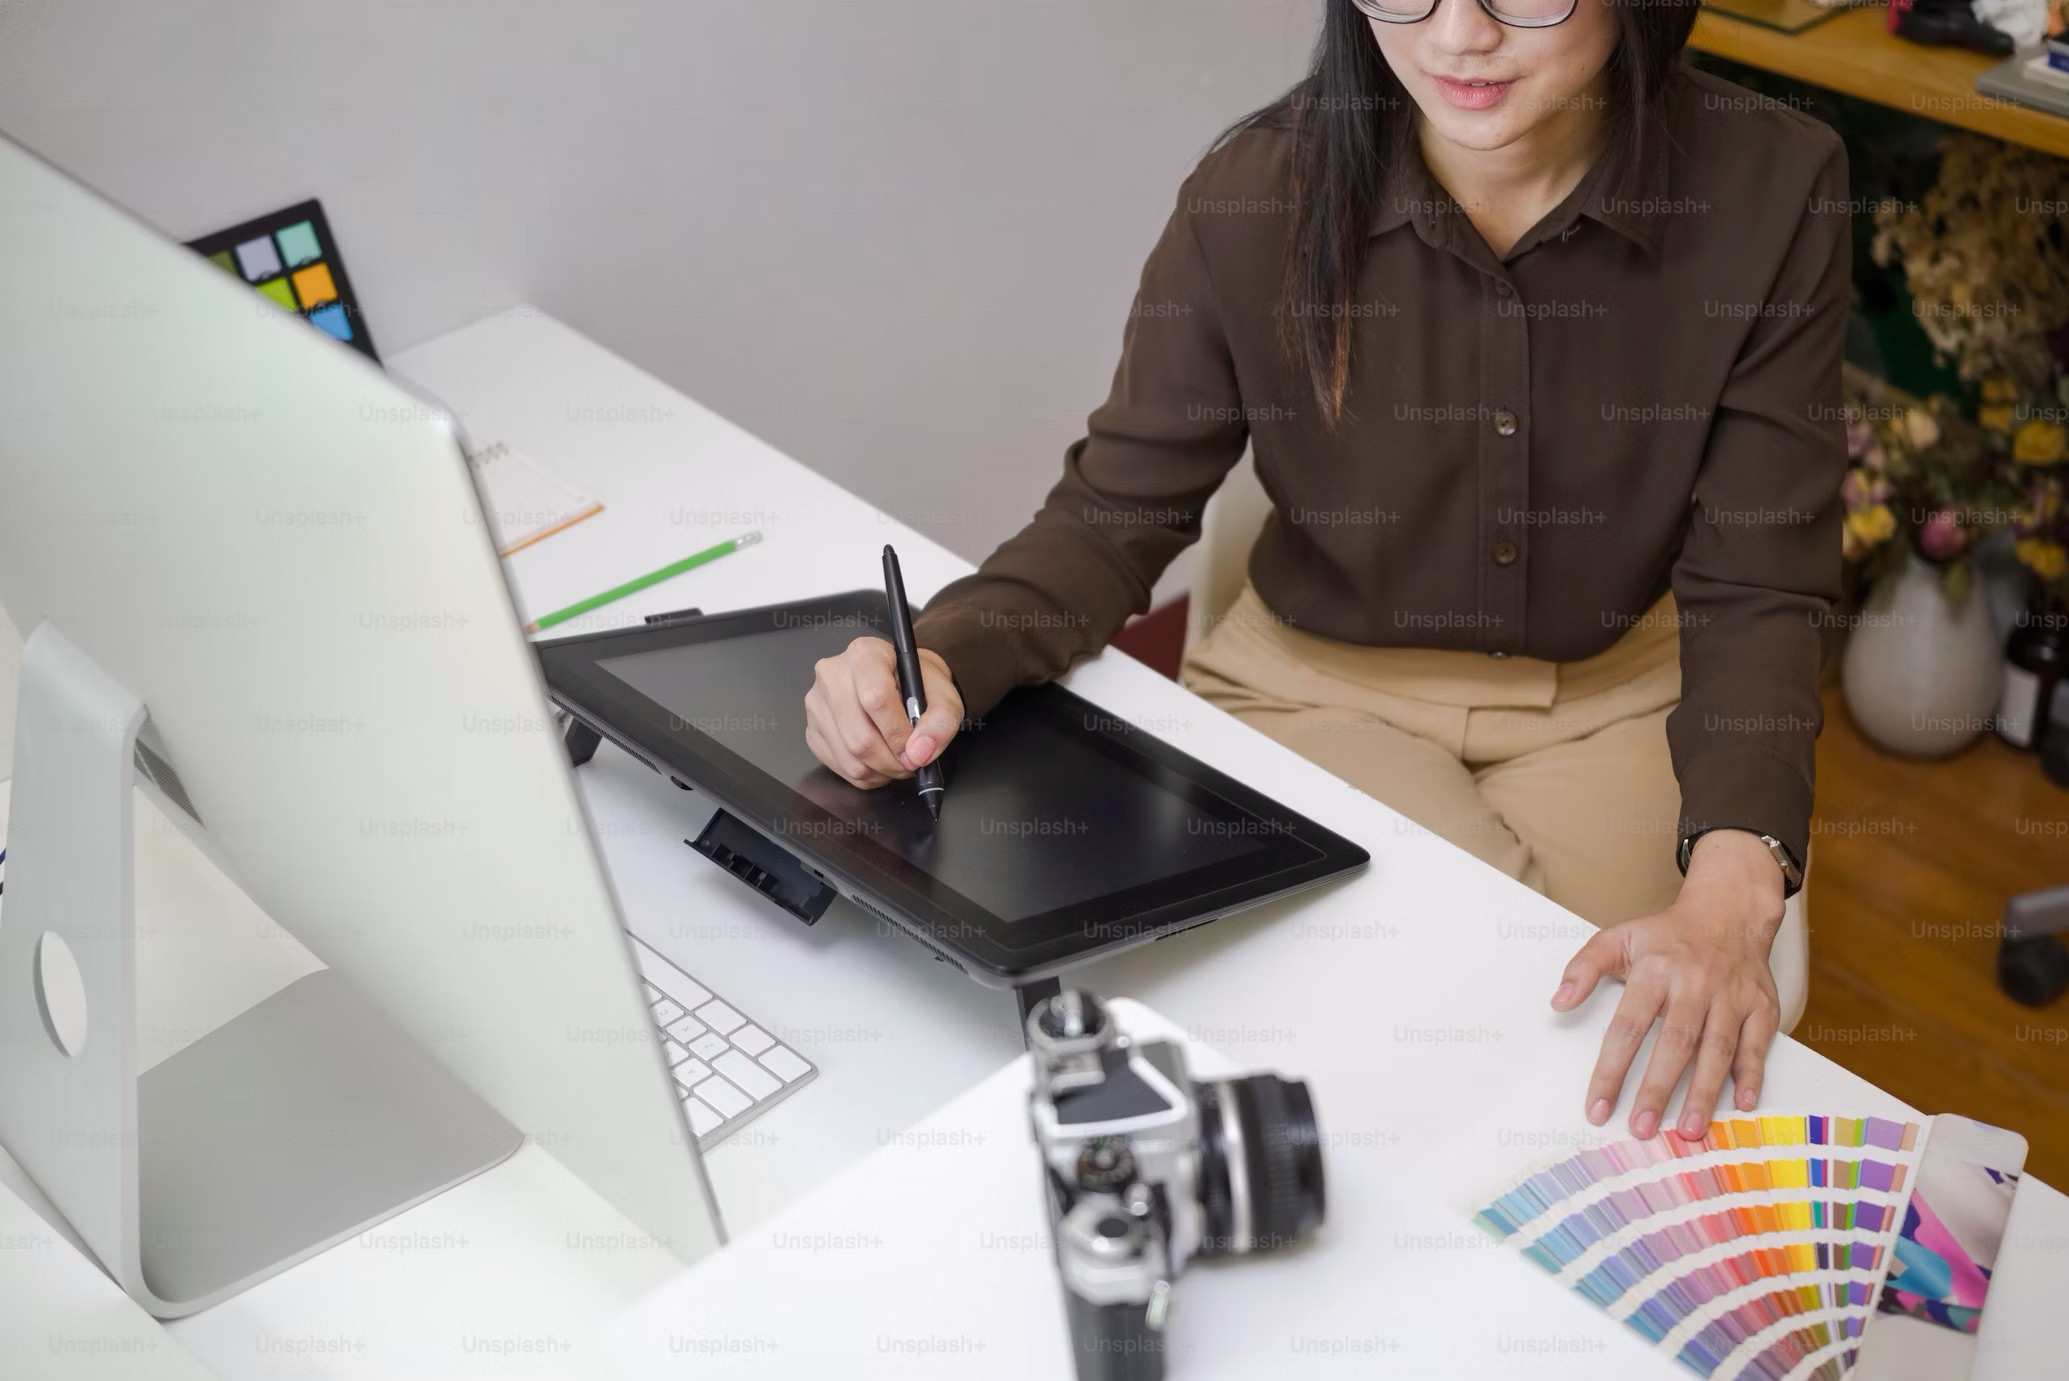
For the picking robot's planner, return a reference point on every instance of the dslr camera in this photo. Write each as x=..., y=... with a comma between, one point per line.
x=1147, y=1168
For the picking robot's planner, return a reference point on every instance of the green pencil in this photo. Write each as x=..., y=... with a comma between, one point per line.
x=633, y=587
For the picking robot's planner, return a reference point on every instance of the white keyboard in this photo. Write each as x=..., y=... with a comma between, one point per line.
x=728, y=1070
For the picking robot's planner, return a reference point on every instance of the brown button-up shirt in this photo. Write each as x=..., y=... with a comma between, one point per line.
x=1642, y=394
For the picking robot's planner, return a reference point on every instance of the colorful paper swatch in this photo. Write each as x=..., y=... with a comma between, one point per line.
x=290, y=259
x=1945, y=1255
x=1756, y=1251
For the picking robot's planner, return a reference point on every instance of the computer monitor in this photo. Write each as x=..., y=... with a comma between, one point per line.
x=253, y=580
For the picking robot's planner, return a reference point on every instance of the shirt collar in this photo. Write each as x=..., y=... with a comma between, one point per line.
x=1408, y=195
x=1632, y=199
x=1626, y=193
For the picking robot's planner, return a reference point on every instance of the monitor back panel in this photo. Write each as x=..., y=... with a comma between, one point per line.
x=279, y=550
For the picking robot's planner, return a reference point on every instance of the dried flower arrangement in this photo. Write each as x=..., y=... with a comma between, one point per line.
x=1918, y=479
x=1985, y=254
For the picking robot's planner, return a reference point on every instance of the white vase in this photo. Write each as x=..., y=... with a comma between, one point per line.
x=1923, y=673
x=2008, y=587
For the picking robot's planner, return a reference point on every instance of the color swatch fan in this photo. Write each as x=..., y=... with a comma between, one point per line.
x=1755, y=1252
x=290, y=259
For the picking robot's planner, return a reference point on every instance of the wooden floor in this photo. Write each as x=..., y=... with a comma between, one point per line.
x=1911, y=865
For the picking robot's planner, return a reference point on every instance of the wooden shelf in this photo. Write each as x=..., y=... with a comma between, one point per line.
x=1855, y=53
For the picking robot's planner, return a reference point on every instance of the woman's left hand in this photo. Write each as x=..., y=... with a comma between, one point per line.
x=1701, y=965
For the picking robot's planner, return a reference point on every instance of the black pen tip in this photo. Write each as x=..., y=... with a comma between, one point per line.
x=933, y=801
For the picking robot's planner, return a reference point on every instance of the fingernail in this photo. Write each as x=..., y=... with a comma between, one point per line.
x=1648, y=1122
x=1691, y=1125
x=1598, y=1111
x=918, y=749
x=1564, y=993
x=1748, y=1098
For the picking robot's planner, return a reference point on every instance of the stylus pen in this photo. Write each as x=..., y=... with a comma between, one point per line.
x=633, y=587
x=910, y=681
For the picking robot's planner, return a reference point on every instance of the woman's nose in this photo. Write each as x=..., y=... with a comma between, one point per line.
x=1461, y=27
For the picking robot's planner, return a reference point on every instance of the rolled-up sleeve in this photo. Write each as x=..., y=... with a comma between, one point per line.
x=1129, y=501
x=1760, y=565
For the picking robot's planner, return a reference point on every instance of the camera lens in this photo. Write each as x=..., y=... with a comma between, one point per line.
x=1261, y=1182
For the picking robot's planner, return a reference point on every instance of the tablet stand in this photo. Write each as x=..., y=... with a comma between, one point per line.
x=771, y=871
x=296, y=1125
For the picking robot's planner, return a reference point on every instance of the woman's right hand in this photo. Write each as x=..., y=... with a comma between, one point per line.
x=855, y=720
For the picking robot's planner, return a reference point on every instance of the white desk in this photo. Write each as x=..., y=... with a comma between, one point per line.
x=933, y=1257
x=1413, y=998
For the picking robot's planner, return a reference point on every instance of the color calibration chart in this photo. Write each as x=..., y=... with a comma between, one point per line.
x=290, y=259
x=1755, y=1252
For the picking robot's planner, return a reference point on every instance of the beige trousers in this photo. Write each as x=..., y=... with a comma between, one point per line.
x=1557, y=773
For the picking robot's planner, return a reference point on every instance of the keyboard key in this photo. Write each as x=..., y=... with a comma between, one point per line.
x=672, y=981
x=719, y=1017
x=722, y=1066
x=786, y=1063
x=747, y=1074
x=724, y=1096
x=709, y=1046
x=687, y=990
x=702, y=1118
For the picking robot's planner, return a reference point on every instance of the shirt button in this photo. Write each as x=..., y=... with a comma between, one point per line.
x=1505, y=423
x=1505, y=553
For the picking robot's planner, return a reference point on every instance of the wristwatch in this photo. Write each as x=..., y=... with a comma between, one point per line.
x=1792, y=876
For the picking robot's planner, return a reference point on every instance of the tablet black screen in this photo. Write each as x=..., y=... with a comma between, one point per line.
x=1036, y=816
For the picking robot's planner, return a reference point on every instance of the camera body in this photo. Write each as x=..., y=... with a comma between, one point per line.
x=1145, y=1169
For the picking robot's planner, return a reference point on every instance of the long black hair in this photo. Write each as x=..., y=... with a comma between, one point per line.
x=1351, y=119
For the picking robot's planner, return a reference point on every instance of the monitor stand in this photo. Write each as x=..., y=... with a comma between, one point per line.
x=296, y=1125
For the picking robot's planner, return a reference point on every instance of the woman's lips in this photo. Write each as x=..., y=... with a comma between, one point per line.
x=1468, y=95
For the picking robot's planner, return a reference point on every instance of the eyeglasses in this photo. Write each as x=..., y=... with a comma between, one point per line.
x=1517, y=14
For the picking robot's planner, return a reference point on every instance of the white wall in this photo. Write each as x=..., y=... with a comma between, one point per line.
x=10, y=685
x=896, y=238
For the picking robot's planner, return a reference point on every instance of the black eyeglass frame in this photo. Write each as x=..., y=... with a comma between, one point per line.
x=1365, y=8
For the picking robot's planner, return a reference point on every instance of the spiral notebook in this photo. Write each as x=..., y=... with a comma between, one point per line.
x=523, y=502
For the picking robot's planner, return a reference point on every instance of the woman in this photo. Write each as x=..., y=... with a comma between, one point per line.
x=1535, y=336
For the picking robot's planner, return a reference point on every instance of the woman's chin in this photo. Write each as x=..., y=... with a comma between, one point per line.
x=1480, y=130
